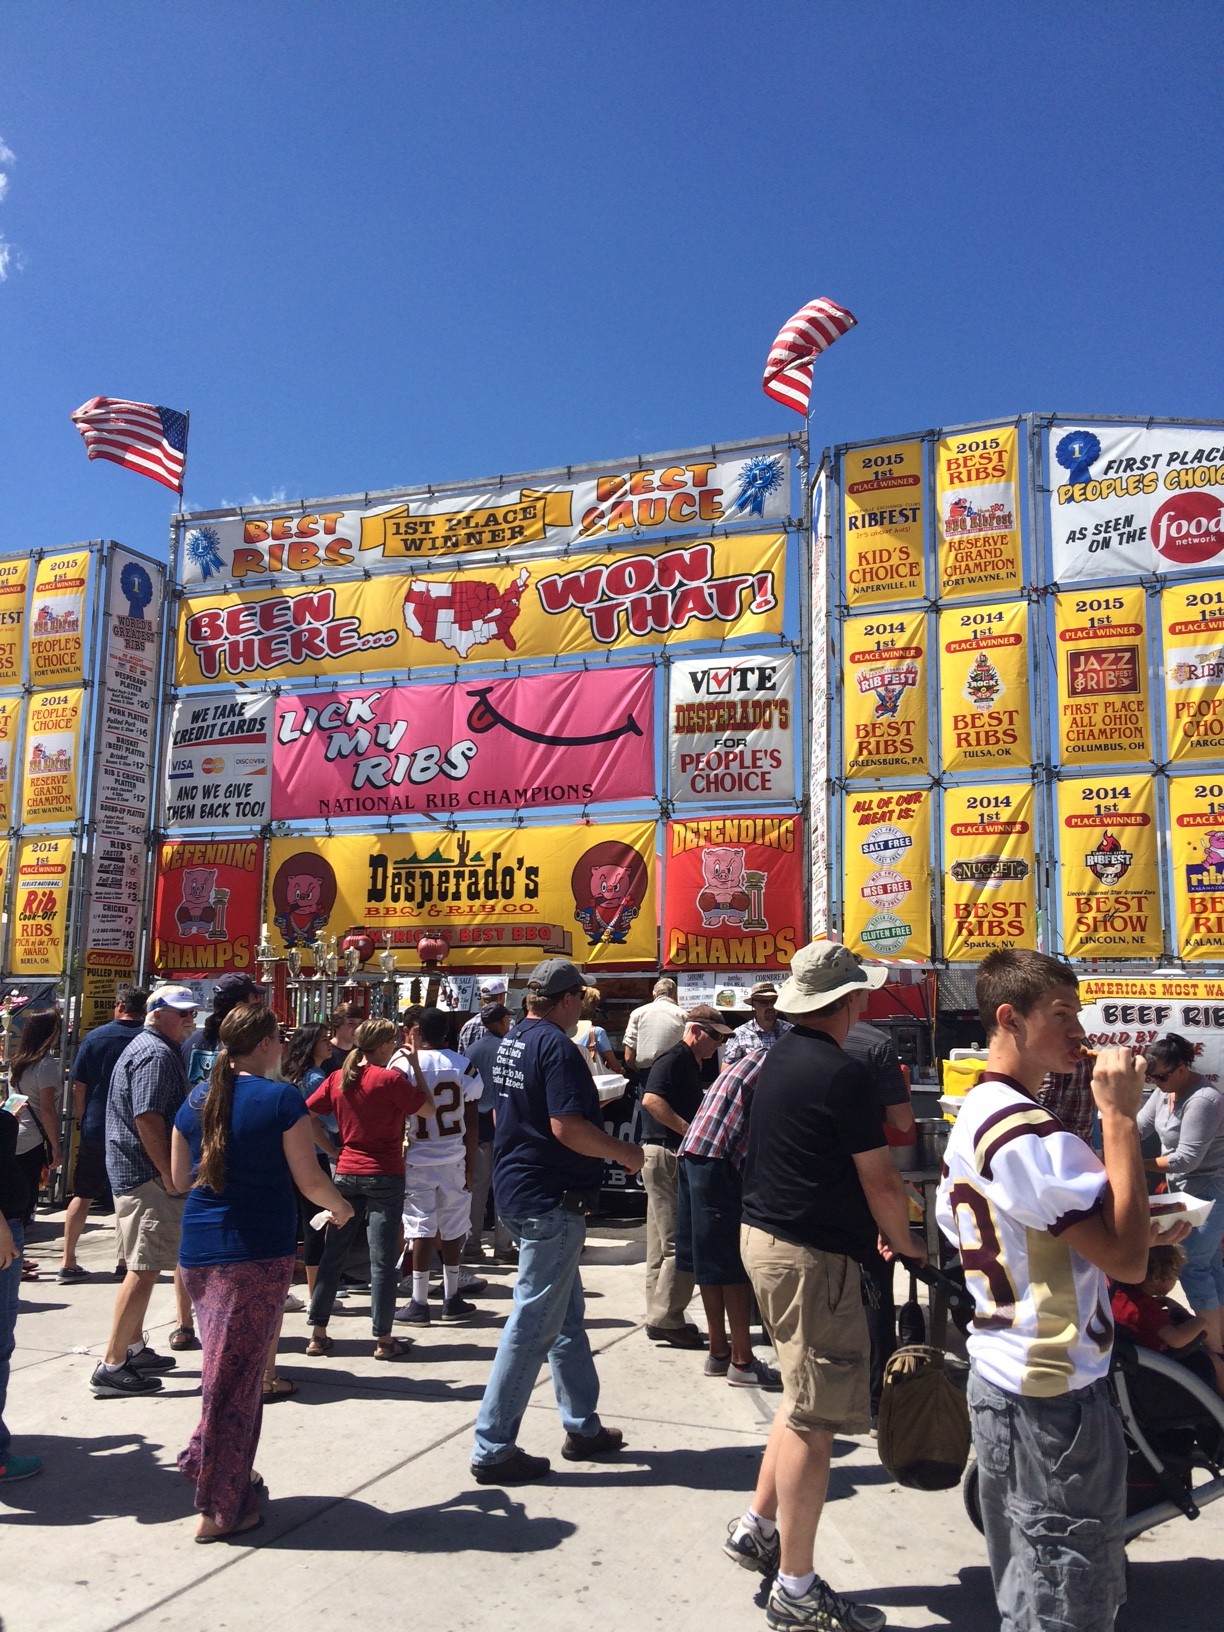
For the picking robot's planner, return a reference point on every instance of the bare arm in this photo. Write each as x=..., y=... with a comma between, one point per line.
x=471, y=1141
x=585, y=1139
x=298, y=1145
x=662, y=1112
x=78, y=1099
x=1116, y=1239
x=881, y=1182
x=180, y=1162
x=322, y=1136
x=1180, y=1332
x=48, y=1112
x=151, y=1127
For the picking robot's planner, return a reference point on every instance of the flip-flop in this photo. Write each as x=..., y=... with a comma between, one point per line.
x=235, y=1534
x=396, y=1349
x=320, y=1345
x=280, y=1388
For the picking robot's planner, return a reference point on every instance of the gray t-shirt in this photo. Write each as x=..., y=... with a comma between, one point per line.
x=1191, y=1129
x=44, y=1073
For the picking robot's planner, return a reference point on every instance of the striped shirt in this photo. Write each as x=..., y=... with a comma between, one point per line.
x=720, y=1127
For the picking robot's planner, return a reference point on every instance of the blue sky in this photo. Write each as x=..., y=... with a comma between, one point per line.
x=375, y=244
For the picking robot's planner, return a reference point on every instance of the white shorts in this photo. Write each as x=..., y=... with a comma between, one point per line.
x=435, y=1201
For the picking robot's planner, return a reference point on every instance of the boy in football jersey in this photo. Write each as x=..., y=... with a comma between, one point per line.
x=1040, y=1222
x=438, y=1168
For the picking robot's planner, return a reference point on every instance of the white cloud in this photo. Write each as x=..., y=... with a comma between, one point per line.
x=7, y=253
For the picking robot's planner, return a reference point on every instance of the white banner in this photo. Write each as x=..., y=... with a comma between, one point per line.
x=1122, y=1013
x=727, y=990
x=114, y=911
x=620, y=504
x=731, y=728
x=128, y=710
x=818, y=718
x=1134, y=499
x=218, y=768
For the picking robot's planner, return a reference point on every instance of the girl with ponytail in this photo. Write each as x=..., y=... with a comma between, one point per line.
x=241, y=1142
x=371, y=1104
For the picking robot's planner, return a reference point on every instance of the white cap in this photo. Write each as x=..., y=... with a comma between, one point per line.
x=171, y=997
x=493, y=986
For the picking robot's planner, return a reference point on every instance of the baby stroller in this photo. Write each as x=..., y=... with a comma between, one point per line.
x=1174, y=1425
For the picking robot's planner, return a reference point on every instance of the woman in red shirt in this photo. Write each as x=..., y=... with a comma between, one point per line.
x=370, y=1104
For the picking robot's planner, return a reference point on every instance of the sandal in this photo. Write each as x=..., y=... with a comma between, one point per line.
x=184, y=1337
x=244, y=1527
x=29, y=1269
x=320, y=1345
x=278, y=1388
x=392, y=1348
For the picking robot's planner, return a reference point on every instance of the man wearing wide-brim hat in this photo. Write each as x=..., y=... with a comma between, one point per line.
x=760, y=1033
x=819, y=1184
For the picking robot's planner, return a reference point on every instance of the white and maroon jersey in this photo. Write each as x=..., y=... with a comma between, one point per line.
x=1014, y=1180
x=452, y=1081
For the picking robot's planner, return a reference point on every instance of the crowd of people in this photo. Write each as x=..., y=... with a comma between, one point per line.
x=230, y=1151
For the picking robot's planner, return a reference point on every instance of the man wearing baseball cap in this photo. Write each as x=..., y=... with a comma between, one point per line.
x=763, y=1030
x=673, y=1092
x=148, y=1085
x=492, y=994
x=819, y=1184
x=548, y=1154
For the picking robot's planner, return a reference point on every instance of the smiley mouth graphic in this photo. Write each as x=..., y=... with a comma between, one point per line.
x=483, y=717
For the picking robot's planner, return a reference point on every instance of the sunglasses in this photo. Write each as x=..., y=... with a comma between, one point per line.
x=1159, y=1076
x=710, y=1032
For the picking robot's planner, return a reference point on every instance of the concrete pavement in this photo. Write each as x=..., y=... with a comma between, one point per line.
x=373, y=1517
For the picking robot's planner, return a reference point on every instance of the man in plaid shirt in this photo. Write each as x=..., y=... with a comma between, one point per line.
x=708, y=1222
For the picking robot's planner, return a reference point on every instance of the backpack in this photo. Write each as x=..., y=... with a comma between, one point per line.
x=923, y=1436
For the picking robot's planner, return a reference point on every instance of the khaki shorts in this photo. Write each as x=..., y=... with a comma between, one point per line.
x=149, y=1223
x=812, y=1304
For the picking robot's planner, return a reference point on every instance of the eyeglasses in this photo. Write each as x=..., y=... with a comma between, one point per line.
x=1161, y=1077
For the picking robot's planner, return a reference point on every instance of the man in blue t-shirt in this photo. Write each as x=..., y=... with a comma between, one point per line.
x=91, y=1079
x=548, y=1154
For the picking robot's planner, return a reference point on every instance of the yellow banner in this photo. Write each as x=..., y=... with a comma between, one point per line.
x=40, y=906
x=57, y=619
x=1109, y=867
x=888, y=873
x=10, y=723
x=525, y=520
x=711, y=589
x=49, y=786
x=1101, y=655
x=989, y=866
x=14, y=587
x=500, y=896
x=978, y=501
x=984, y=687
x=1196, y=855
x=1193, y=620
x=885, y=695
x=885, y=530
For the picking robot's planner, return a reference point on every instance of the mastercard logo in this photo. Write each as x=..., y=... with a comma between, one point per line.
x=211, y=767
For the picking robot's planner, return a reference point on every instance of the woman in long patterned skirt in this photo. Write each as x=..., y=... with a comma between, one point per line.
x=241, y=1142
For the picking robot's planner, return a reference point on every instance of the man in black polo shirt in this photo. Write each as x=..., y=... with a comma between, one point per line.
x=674, y=1090
x=549, y=1148
x=819, y=1184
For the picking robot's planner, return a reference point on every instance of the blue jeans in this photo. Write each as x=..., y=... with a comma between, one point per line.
x=1202, y=1277
x=377, y=1201
x=546, y=1322
x=10, y=1291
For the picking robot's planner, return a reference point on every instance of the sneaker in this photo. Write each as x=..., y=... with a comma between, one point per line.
x=69, y=1275
x=457, y=1309
x=516, y=1469
x=115, y=1384
x=293, y=1304
x=473, y=1284
x=413, y=1313
x=505, y=1255
x=147, y=1360
x=755, y=1375
x=14, y=1468
x=474, y=1255
x=604, y=1442
x=823, y=1609
x=717, y=1365
x=749, y=1548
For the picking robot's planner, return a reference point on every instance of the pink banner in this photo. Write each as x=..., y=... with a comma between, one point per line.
x=514, y=744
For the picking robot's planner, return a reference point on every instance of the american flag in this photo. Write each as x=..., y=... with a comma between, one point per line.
x=813, y=329
x=151, y=441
